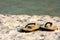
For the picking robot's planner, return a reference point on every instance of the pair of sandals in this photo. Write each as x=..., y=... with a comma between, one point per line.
x=33, y=27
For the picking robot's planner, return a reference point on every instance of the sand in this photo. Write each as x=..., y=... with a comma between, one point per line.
x=10, y=24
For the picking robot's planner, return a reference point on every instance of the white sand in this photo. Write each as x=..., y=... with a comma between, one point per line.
x=10, y=24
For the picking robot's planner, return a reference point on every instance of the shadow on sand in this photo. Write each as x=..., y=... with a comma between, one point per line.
x=40, y=29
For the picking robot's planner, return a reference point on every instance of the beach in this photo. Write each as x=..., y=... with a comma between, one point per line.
x=10, y=24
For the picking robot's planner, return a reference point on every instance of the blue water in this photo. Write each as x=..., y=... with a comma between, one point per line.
x=30, y=7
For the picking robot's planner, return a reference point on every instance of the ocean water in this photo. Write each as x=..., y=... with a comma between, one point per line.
x=30, y=7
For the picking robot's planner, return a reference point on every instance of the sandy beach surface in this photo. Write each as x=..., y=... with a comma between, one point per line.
x=10, y=24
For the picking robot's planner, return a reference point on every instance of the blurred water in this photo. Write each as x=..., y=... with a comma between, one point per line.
x=30, y=7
